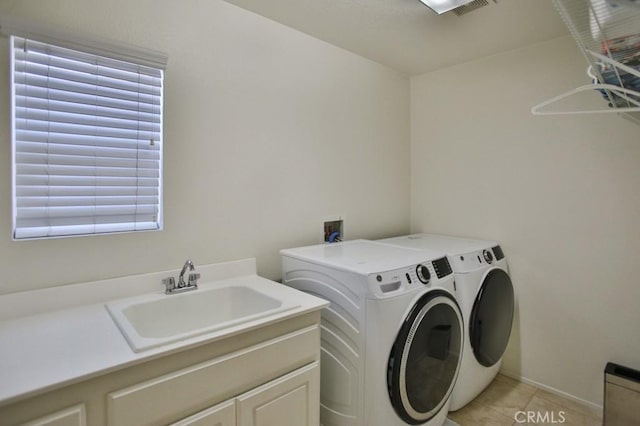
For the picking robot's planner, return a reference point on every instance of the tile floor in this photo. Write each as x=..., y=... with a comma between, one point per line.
x=500, y=403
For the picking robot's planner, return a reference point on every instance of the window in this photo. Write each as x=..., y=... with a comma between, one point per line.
x=87, y=142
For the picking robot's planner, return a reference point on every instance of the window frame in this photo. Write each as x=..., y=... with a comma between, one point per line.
x=90, y=46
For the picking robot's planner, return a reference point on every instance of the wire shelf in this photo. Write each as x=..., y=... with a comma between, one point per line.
x=608, y=33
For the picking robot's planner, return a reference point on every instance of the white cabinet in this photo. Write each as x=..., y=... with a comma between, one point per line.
x=265, y=377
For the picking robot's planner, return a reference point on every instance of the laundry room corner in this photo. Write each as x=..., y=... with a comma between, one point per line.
x=558, y=192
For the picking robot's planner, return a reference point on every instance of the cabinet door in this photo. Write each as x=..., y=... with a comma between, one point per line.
x=293, y=399
x=223, y=414
x=73, y=416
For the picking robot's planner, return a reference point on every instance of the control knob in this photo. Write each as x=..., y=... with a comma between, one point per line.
x=487, y=256
x=423, y=274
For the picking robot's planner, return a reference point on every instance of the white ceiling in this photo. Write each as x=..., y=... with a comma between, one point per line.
x=408, y=36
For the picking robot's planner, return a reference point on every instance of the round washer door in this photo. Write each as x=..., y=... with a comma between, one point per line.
x=425, y=358
x=491, y=317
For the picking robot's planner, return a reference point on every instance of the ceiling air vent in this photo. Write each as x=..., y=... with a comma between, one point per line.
x=470, y=7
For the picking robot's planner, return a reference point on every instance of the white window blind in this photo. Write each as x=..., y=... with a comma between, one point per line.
x=87, y=142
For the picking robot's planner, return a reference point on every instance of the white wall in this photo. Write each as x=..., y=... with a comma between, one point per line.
x=561, y=193
x=267, y=131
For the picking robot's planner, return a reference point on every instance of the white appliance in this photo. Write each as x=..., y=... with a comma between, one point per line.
x=392, y=336
x=486, y=297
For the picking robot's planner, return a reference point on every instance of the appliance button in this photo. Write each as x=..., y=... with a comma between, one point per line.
x=487, y=256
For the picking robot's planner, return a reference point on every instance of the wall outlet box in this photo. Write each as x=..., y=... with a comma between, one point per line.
x=333, y=228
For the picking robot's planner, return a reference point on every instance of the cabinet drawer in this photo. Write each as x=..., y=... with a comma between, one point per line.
x=191, y=389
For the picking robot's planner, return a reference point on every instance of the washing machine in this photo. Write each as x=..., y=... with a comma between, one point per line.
x=486, y=296
x=392, y=336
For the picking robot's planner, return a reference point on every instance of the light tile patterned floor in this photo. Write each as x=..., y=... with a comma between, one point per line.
x=507, y=402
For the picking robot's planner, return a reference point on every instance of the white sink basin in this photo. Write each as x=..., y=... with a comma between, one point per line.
x=157, y=319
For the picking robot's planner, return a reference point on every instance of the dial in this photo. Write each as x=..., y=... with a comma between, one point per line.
x=423, y=274
x=487, y=256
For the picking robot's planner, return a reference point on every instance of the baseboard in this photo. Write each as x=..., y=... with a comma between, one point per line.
x=550, y=389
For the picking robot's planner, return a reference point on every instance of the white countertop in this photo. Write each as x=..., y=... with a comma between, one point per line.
x=45, y=349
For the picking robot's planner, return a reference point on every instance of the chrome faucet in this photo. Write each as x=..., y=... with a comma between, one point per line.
x=187, y=264
x=170, y=283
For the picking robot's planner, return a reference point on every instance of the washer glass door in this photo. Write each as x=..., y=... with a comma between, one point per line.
x=425, y=358
x=491, y=317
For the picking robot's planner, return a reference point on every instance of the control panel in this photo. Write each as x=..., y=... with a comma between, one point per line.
x=476, y=259
x=442, y=267
x=497, y=251
x=411, y=277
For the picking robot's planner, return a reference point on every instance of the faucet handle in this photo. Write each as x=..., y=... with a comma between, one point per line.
x=193, y=279
x=169, y=283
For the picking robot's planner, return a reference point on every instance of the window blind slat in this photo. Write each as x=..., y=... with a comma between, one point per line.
x=87, y=200
x=87, y=143
x=80, y=191
x=84, y=88
x=85, y=119
x=31, y=232
x=61, y=226
x=53, y=170
x=39, y=180
x=79, y=129
x=24, y=92
x=47, y=49
x=34, y=57
x=91, y=110
x=27, y=71
x=124, y=219
x=86, y=151
x=84, y=211
x=86, y=161
x=43, y=136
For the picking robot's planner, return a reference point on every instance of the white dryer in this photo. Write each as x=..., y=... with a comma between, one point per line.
x=485, y=294
x=392, y=336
